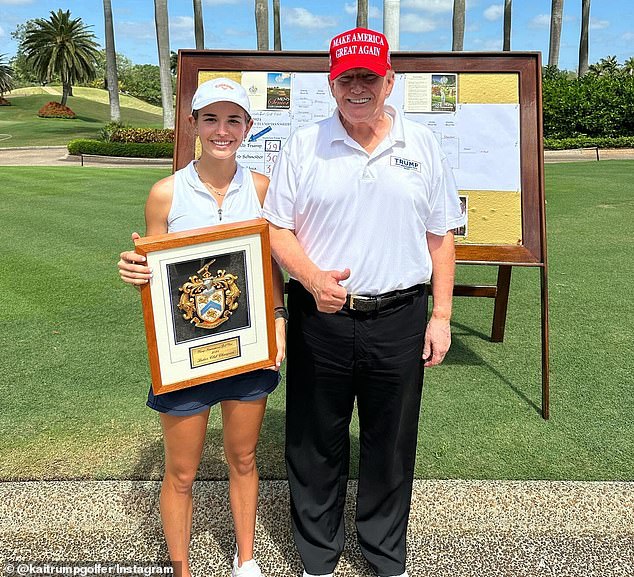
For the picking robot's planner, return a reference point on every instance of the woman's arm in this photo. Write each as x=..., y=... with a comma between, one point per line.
x=132, y=269
x=261, y=186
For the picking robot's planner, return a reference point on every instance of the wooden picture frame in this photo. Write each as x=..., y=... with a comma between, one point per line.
x=208, y=309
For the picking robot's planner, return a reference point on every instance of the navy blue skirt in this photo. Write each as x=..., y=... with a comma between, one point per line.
x=246, y=387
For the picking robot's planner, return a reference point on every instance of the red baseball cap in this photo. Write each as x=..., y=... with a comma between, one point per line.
x=359, y=48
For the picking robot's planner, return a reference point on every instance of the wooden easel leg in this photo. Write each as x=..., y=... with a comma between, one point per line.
x=545, y=348
x=501, y=303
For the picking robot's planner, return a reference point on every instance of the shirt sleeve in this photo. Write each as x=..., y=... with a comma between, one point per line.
x=446, y=213
x=279, y=204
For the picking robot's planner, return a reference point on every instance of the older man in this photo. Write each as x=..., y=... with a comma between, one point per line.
x=361, y=206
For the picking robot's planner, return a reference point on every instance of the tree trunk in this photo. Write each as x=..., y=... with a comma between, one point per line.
x=362, y=13
x=66, y=92
x=507, y=25
x=457, y=43
x=583, y=42
x=556, y=15
x=392, y=22
x=262, y=23
x=112, y=79
x=199, y=27
x=277, y=30
x=163, y=43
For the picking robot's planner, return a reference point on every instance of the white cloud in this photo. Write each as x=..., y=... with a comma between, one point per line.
x=540, y=21
x=494, y=12
x=238, y=33
x=373, y=11
x=182, y=28
x=488, y=44
x=143, y=30
x=302, y=18
x=598, y=24
x=2, y=32
x=16, y=2
x=628, y=36
x=435, y=6
x=416, y=24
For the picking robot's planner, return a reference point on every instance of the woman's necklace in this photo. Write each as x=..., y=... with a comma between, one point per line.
x=208, y=185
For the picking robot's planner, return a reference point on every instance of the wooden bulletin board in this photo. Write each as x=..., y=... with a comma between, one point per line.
x=485, y=109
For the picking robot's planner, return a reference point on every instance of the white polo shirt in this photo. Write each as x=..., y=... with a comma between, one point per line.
x=366, y=212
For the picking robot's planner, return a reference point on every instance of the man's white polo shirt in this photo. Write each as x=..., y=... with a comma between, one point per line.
x=366, y=212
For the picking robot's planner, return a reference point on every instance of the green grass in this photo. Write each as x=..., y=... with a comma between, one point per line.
x=74, y=368
x=96, y=94
x=20, y=125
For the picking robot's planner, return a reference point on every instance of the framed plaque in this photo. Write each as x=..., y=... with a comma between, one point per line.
x=208, y=309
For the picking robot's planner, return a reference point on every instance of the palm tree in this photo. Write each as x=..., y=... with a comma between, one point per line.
x=6, y=76
x=362, y=13
x=277, y=31
x=507, y=25
x=605, y=67
x=112, y=80
x=262, y=23
x=63, y=46
x=556, y=14
x=392, y=22
x=583, y=41
x=199, y=27
x=628, y=66
x=457, y=42
x=163, y=43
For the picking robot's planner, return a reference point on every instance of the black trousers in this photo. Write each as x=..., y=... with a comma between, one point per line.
x=334, y=359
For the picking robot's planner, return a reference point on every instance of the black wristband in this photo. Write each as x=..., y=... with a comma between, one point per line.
x=280, y=313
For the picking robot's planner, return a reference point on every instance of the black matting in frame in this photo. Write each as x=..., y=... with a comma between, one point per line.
x=179, y=273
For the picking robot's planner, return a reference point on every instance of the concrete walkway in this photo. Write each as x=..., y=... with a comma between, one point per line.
x=58, y=156
x=457, y=528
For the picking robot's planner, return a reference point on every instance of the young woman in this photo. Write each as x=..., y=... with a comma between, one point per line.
x=214, y=189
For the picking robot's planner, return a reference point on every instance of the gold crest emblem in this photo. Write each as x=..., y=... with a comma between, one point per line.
x=207, y=300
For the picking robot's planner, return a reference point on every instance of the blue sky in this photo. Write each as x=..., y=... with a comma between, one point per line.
x=425, y=25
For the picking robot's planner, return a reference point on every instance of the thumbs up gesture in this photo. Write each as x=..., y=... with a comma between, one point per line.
x=329, y=295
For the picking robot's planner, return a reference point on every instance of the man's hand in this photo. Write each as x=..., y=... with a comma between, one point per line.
x=329, y=295
x=437, y=341
x=132, y=268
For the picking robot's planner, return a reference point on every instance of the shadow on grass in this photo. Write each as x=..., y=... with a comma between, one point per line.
x=89, y=119
x=461, y=354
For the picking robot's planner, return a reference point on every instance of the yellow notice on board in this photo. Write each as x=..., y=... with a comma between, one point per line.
x=488, y=88
x=493, y=217
x=205, y=75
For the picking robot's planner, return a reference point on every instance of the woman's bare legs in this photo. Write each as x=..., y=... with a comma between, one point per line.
x=183, y=438
x=242, y=421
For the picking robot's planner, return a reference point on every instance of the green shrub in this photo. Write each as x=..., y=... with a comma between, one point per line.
x=106, y=132
x=599, y=104
x=125, y=149
x=55, y=110
x=588, y=142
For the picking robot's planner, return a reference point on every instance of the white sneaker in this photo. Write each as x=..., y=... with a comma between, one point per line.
x=248, y=569
x=311, y=575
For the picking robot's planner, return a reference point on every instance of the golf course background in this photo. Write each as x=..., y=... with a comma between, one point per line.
x=74, y=366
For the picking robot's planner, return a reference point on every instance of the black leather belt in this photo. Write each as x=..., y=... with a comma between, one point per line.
x=370, y=304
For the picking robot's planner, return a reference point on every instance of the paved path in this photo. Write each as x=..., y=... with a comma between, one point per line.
x=457, y=528
x=58, y=156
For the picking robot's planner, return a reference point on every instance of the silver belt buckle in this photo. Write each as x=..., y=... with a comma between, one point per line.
x=354, y=298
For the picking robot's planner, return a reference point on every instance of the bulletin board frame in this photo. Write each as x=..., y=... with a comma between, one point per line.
x=530, y=251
